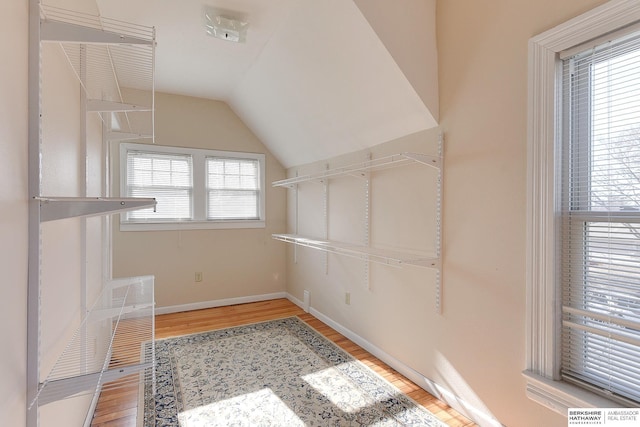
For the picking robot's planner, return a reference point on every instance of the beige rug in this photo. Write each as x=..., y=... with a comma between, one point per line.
x=276, y=373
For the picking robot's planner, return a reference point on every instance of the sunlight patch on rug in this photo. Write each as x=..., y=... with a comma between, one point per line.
x=276, y=373
x=261, y=408
x=341, y=392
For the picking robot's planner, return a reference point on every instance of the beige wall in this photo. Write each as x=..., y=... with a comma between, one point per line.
x=62, y=255
x=235, y=263
x=476, y=347
x=13, y=210
x=406, y=28
x=483, y=111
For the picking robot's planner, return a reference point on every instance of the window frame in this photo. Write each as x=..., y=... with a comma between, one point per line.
x=199, y=158
x=543, y=317
x=592, y=209
x=239, y=188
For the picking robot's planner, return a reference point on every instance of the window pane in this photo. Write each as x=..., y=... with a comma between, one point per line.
x=615, y=147
x=233, y=189
x=600, y=240
x=233, y=204
x=165, y=177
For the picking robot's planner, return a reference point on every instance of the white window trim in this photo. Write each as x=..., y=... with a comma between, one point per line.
x=199, y=190
x=543, y=384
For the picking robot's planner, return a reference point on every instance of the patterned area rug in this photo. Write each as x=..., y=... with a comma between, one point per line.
x=276, y=373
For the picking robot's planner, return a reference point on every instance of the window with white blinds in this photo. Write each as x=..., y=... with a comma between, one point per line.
x=233, y=188
x=194, y=188
x=600, y=220
x=166, y=177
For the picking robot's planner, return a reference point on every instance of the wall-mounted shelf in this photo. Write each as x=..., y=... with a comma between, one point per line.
x=365, y=253
x=358, y=169
x=113, y=345
x=111, y=360
x=54, y=208
x=107, y=56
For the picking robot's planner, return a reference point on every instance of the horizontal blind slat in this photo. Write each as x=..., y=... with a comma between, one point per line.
x=166, y=177
x=233, y=189
x=599, y=242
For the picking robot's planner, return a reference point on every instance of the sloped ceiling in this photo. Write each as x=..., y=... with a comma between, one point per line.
x=315, y=78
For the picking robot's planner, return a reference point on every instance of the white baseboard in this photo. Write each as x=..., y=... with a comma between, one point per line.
x=474, y=414
x=295, y=300
x=219, y=303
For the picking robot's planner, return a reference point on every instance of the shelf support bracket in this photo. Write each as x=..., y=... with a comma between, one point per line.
x=100, y=106
x=295, y=195
x=54, y=208
x=367, y=225
x=325, y=219
x=56, y=31
x=439, y=185
x=126, y=136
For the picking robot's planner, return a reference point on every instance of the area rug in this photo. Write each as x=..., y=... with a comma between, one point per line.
x=276, y=373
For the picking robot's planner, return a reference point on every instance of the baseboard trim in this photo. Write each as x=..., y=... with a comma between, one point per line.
x=474, y=414
x=295, y=300
x=219, y=303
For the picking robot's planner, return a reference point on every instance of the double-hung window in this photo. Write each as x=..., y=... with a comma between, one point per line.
x=193, y=188
x=166, y=177
x=599, y=215
x=233, y=188
x=583, y=217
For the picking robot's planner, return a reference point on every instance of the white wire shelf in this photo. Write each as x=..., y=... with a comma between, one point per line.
x=106, y=56
x=113, y=347
x=358, y=169
x=125, y=31
x=55, y=208
x=365, y=253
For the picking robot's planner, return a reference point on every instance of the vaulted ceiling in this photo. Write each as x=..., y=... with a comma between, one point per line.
x=314, y=78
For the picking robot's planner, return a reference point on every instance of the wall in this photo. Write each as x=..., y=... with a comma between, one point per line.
x=483, y=106
x=62, y=274
x=413, y=21
x=235, y=263
x=476, y=347
x=13, y=210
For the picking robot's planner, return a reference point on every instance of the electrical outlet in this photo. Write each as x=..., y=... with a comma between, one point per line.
x=198, y=276
x=347, y=298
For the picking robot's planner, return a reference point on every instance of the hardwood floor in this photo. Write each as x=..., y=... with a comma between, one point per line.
x=118, y=408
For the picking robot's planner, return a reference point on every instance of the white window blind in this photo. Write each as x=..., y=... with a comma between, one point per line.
x=195, y=188
x=168, y=178
x=600, y=220
x=233, y=189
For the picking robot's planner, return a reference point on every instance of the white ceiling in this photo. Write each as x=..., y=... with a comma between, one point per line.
x=314, y=79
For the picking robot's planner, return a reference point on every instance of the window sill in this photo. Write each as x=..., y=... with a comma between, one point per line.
x=190, y=225
x=560, y=396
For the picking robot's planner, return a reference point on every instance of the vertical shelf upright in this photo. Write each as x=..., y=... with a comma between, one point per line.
x=106, y=56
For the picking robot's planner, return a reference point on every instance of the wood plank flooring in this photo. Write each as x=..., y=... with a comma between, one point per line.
x=119, y=407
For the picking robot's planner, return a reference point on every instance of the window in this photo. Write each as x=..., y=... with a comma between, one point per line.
x=600, y=219
x=233, y=190
x=168, y=178
x=194, y=188
x=566, y=324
